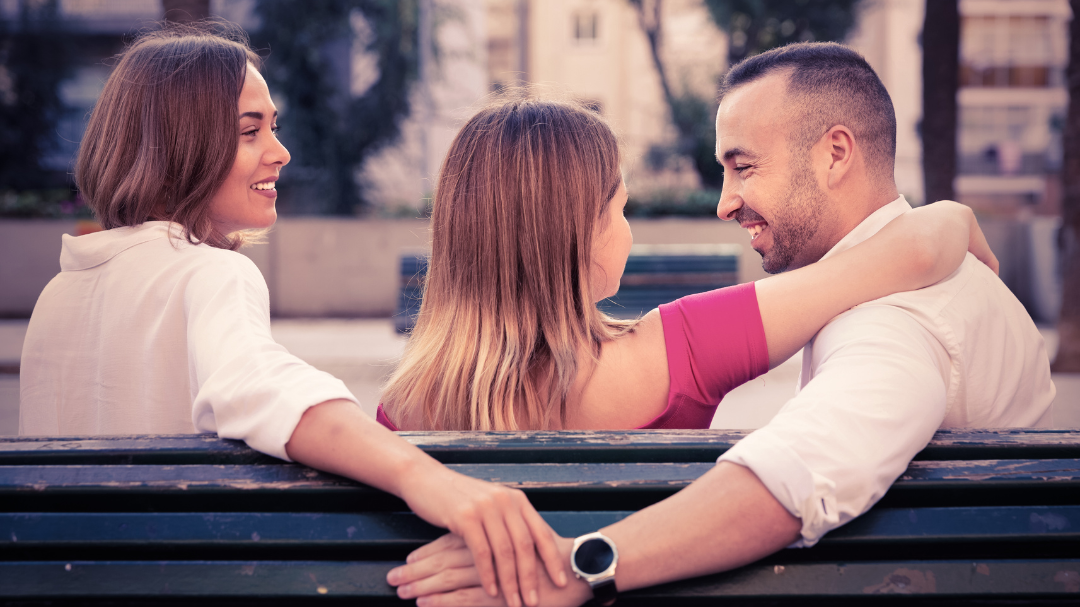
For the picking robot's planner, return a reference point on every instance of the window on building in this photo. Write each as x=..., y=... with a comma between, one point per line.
x=1011, y=51
x=586, y=26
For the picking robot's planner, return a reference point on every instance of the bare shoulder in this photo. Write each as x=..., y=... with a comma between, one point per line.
x=630, y=385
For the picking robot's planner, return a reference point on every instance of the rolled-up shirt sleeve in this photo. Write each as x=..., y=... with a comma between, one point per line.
x=249, y=387
x=876, y=398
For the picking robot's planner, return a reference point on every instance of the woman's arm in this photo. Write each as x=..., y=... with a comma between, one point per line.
x=496, y=522
x=252, y=389
x=913, y=251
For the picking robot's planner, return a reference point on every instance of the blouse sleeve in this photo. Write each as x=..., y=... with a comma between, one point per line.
x=249, y=387
x=715, y=342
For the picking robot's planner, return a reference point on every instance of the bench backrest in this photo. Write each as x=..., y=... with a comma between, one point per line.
x=654, y=275
x=979, y=516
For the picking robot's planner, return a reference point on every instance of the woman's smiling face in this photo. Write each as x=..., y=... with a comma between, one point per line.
x=246, y=199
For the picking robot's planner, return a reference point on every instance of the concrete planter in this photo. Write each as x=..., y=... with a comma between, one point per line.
x=317, y=267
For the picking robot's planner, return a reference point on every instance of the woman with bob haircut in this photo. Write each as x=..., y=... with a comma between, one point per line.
x=528, y=234
x=156, y=324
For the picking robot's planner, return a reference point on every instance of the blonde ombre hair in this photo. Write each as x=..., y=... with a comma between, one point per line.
x=507, y=314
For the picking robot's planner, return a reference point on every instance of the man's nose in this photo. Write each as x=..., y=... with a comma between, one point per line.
x=728, y=204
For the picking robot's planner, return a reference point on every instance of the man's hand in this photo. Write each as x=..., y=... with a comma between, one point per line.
x=493, y=523
x=442, y=574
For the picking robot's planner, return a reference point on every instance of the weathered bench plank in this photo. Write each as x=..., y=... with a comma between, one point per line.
x=516, y=447
x=364, y=530
x=1008, y=579
x=982, y=517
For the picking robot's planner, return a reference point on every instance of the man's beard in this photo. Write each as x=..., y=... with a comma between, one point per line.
x=794, y=224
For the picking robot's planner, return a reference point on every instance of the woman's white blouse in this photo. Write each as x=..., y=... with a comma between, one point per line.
x=145, y=333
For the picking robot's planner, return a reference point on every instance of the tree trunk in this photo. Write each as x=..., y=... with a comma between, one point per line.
x=649, y=17
x=1068, y=356
x=185, y=11
x=941, y=76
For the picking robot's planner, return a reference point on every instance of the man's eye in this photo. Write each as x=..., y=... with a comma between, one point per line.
x=740, y=169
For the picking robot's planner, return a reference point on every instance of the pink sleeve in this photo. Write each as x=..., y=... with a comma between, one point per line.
x=380, y=416
x=715, y=342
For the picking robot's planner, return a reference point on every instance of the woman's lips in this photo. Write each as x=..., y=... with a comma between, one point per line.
x=266, y=187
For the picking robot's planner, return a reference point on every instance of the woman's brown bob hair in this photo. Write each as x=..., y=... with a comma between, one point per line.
x=163, y=135
x=508, y=318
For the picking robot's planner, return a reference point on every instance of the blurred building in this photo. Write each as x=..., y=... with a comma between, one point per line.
x=594, y=51
x=887, y=35
x=1012, y=103
x=98, y=30
x=597, y=52
x=1012, y=97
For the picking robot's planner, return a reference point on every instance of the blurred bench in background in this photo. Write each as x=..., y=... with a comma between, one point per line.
x=981, y=517
x=655, y=274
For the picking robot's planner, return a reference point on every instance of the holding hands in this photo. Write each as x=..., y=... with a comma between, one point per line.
x=487, y=522
x=444, y=574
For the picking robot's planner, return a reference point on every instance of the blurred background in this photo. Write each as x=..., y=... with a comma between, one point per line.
x=371, y=92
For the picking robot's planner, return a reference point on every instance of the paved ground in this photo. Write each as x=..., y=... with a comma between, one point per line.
x=362, y=354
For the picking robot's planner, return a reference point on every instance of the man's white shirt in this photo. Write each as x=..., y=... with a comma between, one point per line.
x=879, y=379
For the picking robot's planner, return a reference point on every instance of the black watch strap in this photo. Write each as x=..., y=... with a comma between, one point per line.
x=604, y=593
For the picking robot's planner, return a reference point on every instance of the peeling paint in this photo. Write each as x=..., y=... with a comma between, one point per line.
x=905, y=581
x=1069, y=579
x=1041, y=523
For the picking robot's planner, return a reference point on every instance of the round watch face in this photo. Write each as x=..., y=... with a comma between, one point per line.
x=594, y=556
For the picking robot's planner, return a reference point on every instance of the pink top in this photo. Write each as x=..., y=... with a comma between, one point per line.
x=715, y=342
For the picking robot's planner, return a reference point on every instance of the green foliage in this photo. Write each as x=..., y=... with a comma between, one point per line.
x=35, y=56
x=699, y=203
x=328, y=131
x=755, y=26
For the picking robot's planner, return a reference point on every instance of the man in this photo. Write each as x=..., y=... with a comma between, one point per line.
x=807, y=138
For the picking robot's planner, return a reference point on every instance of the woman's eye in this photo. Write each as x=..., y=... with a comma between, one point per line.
x=274, y=129
x=250, y=133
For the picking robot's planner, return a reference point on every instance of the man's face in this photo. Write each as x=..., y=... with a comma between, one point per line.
x=769, y=187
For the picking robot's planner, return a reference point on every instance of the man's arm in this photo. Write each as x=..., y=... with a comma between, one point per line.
x=723, y=520
x=877, y=397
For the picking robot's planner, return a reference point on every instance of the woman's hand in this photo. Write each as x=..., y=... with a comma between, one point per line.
x=939, y=224
x=494, y=523
x=442, y=574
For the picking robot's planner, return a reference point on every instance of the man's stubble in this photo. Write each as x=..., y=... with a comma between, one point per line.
x=794, y=224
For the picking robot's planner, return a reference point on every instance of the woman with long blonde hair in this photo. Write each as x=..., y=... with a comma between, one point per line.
x=528, y=234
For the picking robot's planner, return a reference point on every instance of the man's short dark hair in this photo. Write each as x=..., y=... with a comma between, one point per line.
x=831, y=84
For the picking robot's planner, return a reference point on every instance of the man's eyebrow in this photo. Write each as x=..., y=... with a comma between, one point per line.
x=733, y=152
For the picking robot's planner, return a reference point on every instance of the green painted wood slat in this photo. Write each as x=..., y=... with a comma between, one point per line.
x=917, y=525
x=517, y=447
x=1008, y=579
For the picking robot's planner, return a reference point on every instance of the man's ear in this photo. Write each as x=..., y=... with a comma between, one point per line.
x=839, y=144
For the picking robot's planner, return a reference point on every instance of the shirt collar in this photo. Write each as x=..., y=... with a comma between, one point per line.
x=870, y=226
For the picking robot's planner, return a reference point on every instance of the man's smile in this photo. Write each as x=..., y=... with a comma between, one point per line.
x=755, y=228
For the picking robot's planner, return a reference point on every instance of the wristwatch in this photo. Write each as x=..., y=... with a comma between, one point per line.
x=593, y=559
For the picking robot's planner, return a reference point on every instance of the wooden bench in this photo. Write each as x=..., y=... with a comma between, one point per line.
x=980, y=517
x=655, y=274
